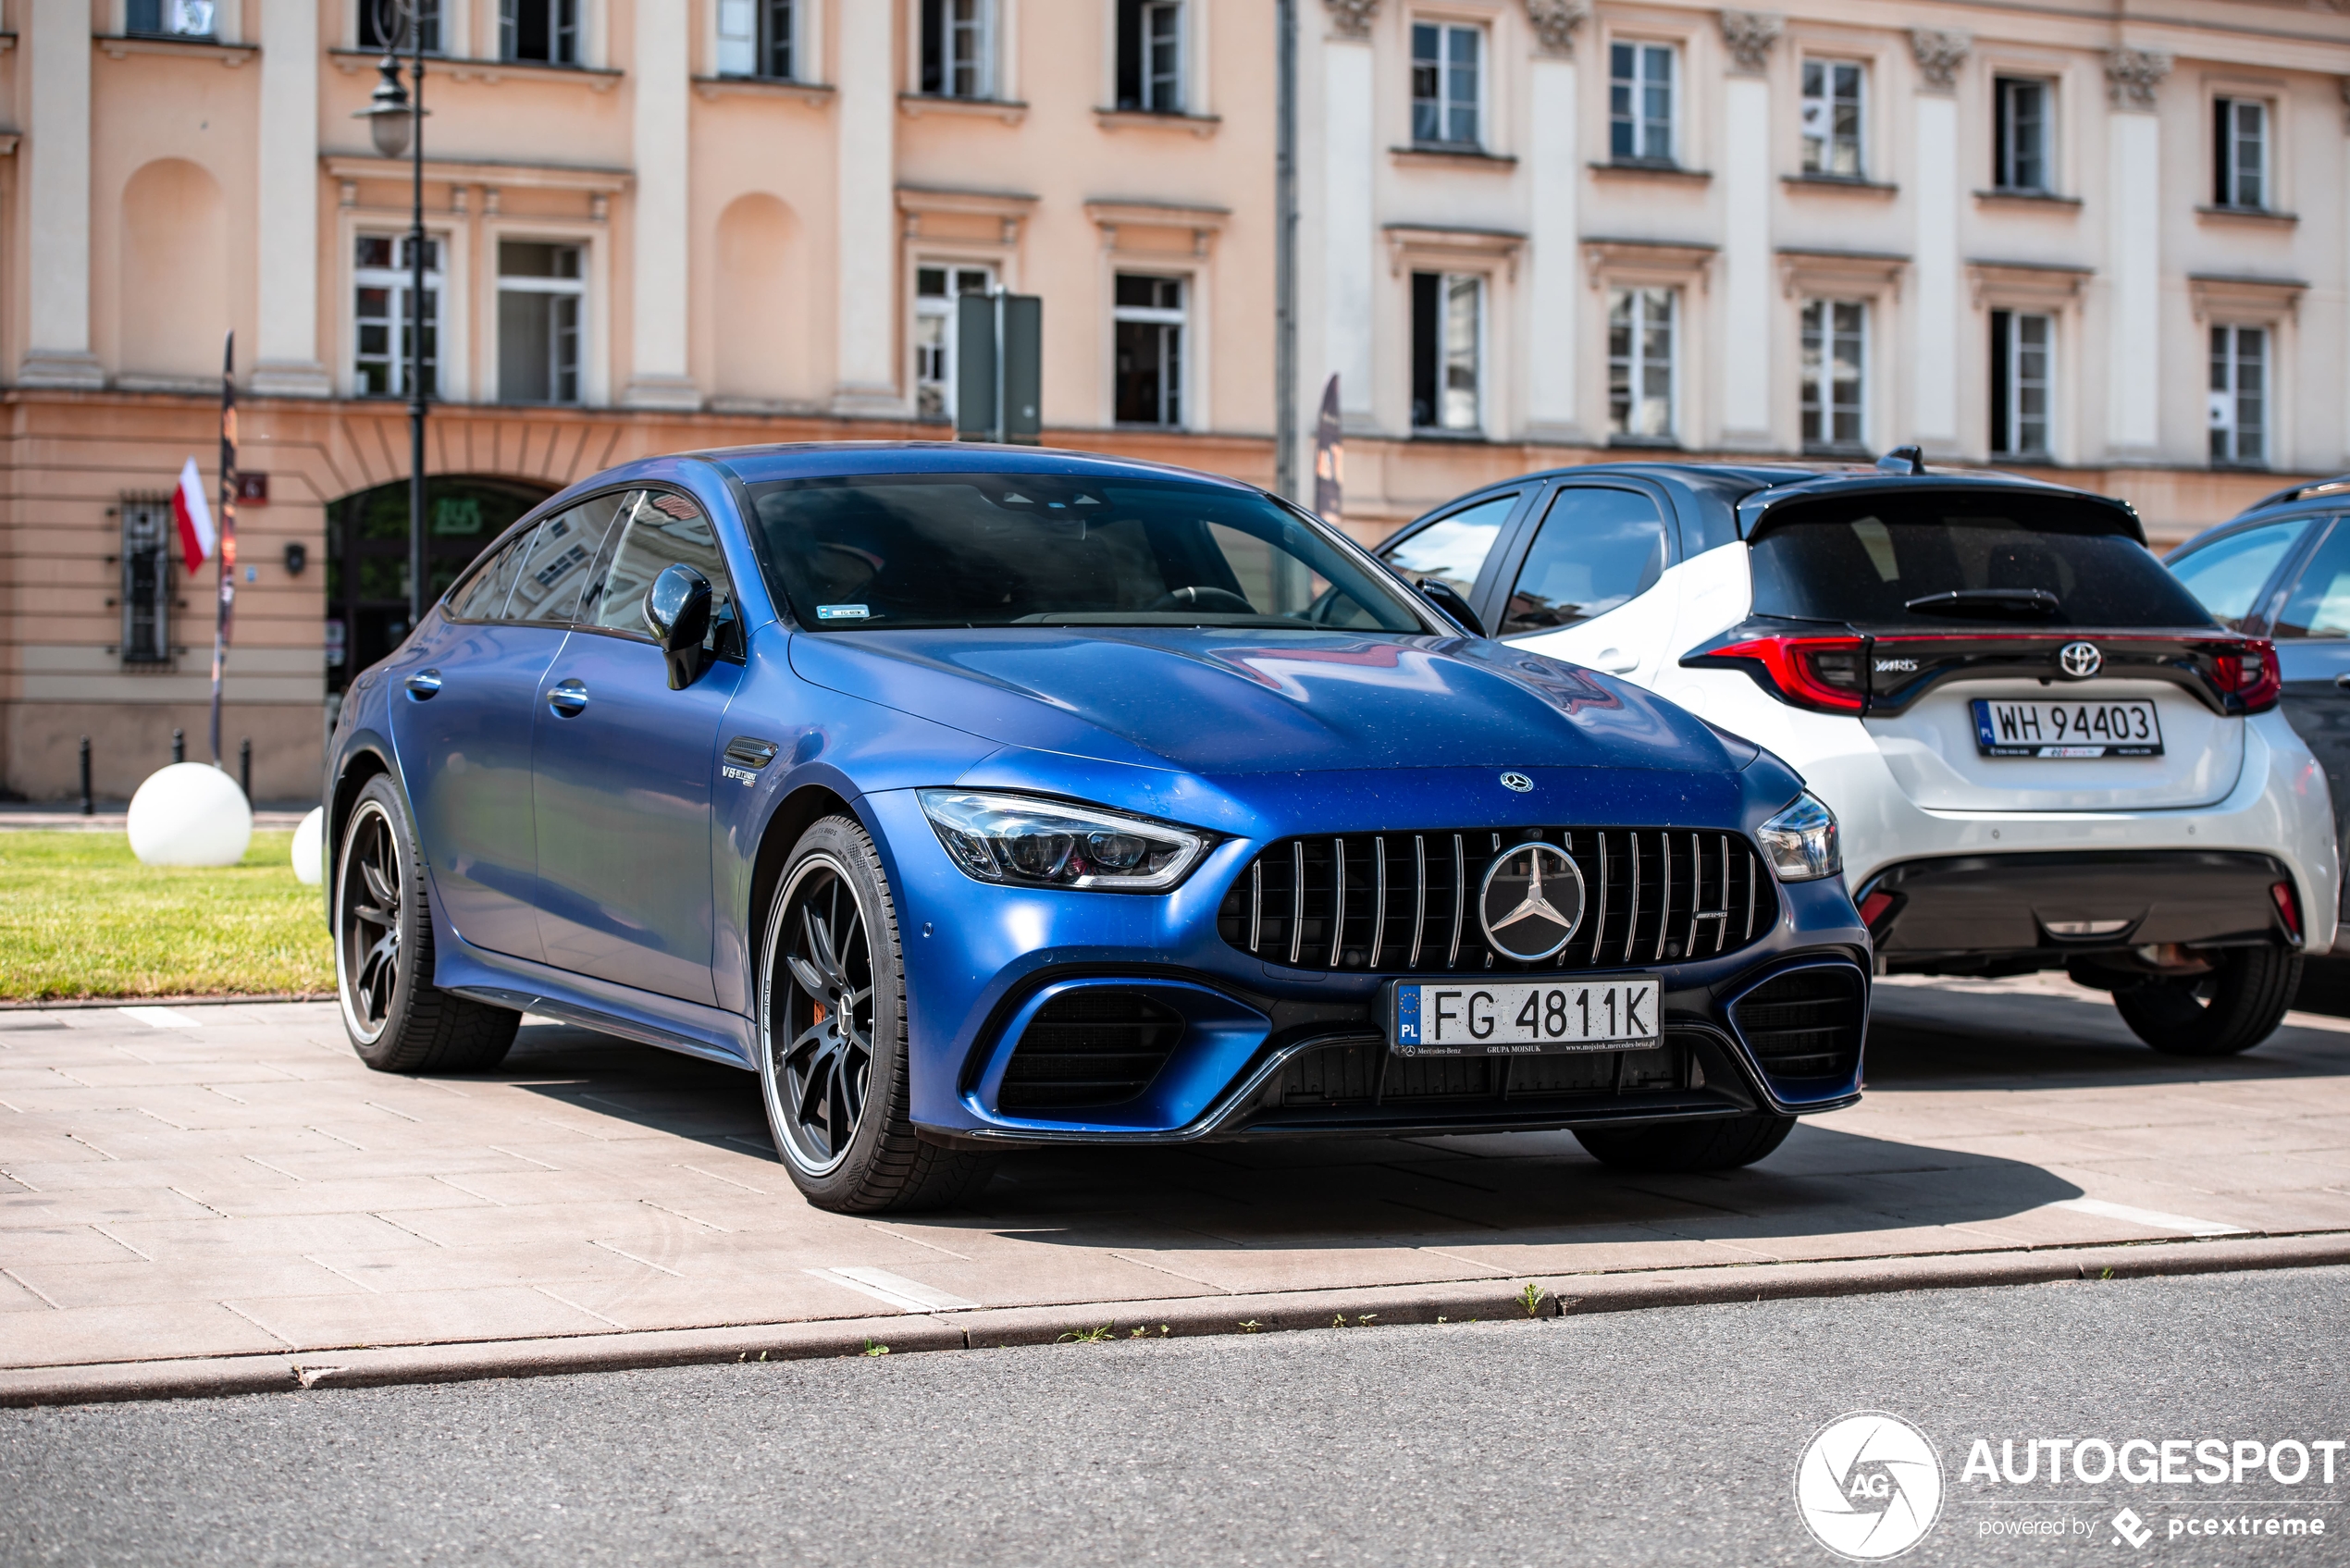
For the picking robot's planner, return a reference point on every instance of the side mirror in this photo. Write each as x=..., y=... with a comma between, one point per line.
x=678, y=613
x=1451, y=605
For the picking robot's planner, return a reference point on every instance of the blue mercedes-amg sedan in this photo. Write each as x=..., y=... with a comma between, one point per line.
x=983, y=796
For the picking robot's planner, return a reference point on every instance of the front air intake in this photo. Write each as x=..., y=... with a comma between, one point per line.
x=1088, y=1048
x=1806, y=1023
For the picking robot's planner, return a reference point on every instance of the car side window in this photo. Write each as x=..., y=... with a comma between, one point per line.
x=482, y=596
x=2318, y=604
x=664, y=529
x=2227, y=574
x=562, y=559
x=1452, y=550
x=1598, y=548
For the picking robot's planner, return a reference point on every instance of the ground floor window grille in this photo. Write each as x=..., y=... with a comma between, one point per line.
x=540, y=290
x=1448, y=331
x=936, y=291
x=384, y=312
x=1641, y=327
x=2021, y=345
x=2240, y=394
x=1835, y=364
x=1149, y=313
x=148, y=533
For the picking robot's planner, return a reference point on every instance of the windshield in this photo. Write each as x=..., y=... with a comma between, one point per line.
x=1008, y=549
x=1951, y=560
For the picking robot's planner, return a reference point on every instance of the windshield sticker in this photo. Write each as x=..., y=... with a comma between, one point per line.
x=842, y=613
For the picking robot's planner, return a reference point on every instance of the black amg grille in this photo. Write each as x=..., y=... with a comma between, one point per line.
x=1348, y=1074
x=1805, y=1024
x=1407, y=902
x=1090, y=1047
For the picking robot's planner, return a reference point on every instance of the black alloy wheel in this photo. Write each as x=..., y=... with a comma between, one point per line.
x=2232, y=1009
x=398, y=1020
x=833, y=1061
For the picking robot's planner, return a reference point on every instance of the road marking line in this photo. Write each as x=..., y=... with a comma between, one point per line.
x=160, y=1017
x=2153, y=1219
x=905, y=1295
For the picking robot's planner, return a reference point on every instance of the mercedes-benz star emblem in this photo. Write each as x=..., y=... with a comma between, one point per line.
x=1532, y=901
x=1516, y=784
x=2079, y=660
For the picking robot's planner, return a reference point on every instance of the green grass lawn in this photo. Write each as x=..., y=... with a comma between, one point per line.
x=81, y=917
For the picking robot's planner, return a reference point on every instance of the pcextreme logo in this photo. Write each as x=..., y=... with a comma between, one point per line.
x=1868, y=1485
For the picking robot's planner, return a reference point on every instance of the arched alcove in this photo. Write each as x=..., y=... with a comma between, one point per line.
x=174, y=307
x=760, y=297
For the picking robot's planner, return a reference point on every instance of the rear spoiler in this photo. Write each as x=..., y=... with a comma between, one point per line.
x=1760, y=510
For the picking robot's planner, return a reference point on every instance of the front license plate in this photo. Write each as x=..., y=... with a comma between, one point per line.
x=1523, y=1019
x=2108, y=728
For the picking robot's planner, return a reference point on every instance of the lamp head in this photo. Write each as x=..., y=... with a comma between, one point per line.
x=389, y=118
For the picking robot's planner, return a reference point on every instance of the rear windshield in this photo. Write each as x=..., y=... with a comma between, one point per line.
x=1948, y=561
x=1006, y=550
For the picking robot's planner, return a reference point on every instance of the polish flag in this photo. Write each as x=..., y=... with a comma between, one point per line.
x=197, y=536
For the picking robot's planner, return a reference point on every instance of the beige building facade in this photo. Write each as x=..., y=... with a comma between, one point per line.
x=2111, y=247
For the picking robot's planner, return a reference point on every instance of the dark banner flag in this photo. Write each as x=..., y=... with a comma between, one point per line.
x=1329, y=459
x=224, y=618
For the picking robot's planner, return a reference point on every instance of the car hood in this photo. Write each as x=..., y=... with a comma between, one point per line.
x=1245, y=701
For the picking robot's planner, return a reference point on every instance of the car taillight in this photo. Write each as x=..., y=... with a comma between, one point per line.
x=2248, y=672
x=2288, y=907
x=1826, y=673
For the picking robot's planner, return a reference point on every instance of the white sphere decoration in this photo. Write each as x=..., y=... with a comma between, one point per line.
x=189, y=814
x=310, y=848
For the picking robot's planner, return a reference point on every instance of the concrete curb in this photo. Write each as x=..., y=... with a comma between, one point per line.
x=1377, y=1306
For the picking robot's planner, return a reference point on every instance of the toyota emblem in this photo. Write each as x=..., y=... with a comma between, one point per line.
x=1532, y=901
x=1516, y=784
x=2079, y=660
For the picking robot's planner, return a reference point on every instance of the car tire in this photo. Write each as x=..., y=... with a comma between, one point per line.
x=1688, y=1145
x=2232, y=1009
x=832, y=1062
x=397, y=1019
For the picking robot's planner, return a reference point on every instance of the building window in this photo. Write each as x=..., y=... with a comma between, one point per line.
x=755, y=38
x=2240, y=395
x=1832, y=119
x=148, y=533
x=1640, y=103
x=1640, y=324
x=169, y=19
x=1448, y=311
x=1150, y=55
x=2241, y=158
x=373, y=16
x=1149, y=318
x=935, y=290
x=1445, y=85
x=958, y=48
x=2019, y=136
x=1836, y=345
x=547, y=30
x=384, y=312
x=2022, y=344
x=540, y=290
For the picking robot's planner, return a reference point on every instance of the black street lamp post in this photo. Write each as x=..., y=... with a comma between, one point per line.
x=395, y=118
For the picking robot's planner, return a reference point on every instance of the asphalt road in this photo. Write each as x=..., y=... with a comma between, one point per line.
x=1656, y=1437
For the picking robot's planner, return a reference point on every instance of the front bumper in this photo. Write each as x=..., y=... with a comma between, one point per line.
x=1261, y=1050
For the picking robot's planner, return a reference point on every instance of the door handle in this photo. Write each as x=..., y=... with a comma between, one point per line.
x=2343, y=680
x=1615, y=661
x=568, y=699
x=422, y=683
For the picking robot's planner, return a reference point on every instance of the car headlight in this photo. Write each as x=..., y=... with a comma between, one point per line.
x=1800, y=840
x=1023, y=842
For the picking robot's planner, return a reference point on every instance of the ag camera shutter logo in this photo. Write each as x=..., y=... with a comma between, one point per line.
x=1868, y=1485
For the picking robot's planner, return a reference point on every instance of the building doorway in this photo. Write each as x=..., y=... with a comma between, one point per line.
x=367, y=557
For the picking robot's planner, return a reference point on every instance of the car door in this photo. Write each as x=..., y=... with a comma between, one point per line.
x=2312, y=634
x=460, y=720
x=1590, y=585
x=623, y=768
x=1461, y=549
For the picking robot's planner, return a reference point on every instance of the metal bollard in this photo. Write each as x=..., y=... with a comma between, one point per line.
x=89, y=806
x=179, y=746
x=245, y=768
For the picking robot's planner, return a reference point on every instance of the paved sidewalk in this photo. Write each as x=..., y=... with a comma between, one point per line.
x=223, y=1181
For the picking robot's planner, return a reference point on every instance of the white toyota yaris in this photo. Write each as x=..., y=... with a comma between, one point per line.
x=2041, y=750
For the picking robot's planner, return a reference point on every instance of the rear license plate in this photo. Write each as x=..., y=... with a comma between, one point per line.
x=1522, y=1018
x=2107, y=728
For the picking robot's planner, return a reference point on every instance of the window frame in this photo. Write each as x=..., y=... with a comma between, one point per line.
x=986, y=70
x=1180, y=320
x=1638, y=361
x=2269, y=600
x=731, y=648
x=1446, y=29
x=2228, y=141
x=1517, y=542
x=579, y=288
x=1641, y=155
x=1132, y=23
x=145, y=511
x=1478, y=348
x=400, y=279
x=763, y=41
x=2233, y=392
x=1817, y=382
x=2004, y=156
x=565, y=45
x=169, y=14
x=2007, y=383
x=1830, y=65
x=946, y=314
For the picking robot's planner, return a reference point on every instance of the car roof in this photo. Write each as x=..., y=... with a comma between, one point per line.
x=825, y=460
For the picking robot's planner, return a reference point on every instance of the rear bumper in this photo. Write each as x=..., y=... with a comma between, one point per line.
x=2056, y=906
